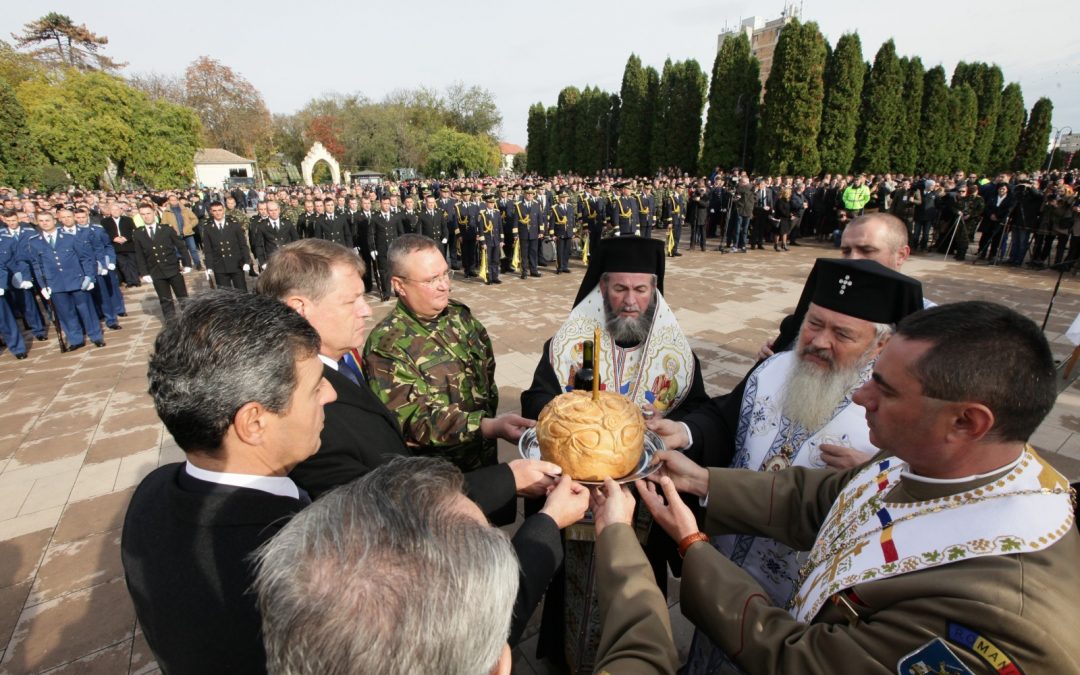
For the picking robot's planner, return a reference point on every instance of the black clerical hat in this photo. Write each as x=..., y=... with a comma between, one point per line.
x=622, y=254
x=863, y=289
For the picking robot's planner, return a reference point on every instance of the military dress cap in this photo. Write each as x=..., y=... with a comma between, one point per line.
x=863, y=289
x=489, y=198
x=623, y=254
x=529, y=188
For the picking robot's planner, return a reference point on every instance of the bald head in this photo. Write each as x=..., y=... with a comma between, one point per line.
x=881, y=237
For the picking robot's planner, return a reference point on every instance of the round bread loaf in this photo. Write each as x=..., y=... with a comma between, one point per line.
x=591, y=440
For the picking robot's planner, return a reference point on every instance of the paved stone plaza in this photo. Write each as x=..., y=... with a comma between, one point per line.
x=78, y=431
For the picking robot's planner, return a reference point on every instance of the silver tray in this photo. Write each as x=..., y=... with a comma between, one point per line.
x=647, y=465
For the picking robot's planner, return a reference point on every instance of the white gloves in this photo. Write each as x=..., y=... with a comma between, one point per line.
x=26, y=285
x=264, y=266
x=147, y=279
x=1, y=292
x=46, y=293
x=87, y=284
x=444, y=240
x=111, y=266
x=102, y=272
x=374, y=254
x=186, y=270
x=246, y=268
x=207, y=273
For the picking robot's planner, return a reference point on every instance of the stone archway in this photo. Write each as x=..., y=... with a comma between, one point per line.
x=315, y=154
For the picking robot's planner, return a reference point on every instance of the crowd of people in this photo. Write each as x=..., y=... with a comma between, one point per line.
x=487, y=229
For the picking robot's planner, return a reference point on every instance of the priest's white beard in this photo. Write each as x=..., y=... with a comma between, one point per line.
x=629, y=329
x=812, y=393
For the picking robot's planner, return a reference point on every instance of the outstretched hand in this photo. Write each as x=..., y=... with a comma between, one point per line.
x=567, y=502
x=508, y=427
x=611, y=503
x=534, y=477
x=667, y=508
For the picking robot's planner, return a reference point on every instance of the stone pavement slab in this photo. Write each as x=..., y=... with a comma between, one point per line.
x=78, y=431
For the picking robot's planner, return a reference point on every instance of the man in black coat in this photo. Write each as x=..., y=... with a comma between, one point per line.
x=433, y=224
x=120, y=228
x=158, y=253
x=383, y=229
x=191, y=527
x=334, y=225
x=226, y=249
x=269, y=235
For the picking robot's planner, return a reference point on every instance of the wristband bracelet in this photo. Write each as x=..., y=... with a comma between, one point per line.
x=689, y=540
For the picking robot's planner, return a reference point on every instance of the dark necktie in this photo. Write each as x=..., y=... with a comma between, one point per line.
x=351, y=370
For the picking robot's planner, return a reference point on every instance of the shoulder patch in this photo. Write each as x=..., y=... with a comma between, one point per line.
x=998, y=660
x=933, y=658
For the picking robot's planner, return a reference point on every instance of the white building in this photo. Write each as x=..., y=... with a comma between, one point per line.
x=507, y=151
x=215, y=166
x=763, y=36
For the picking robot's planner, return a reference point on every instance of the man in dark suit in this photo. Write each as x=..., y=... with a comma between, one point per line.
x=120, y=229
x=528, y=227
x=561, y=227
x=158, y=253
x=334, y=225
x=433, y=224
x=383, y=229
x=361, y=225
x=267, y=236
x=190, y=527
x=226, y=249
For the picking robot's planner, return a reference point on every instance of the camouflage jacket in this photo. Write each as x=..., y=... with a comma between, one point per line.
x=972, y=207
x=438, y=378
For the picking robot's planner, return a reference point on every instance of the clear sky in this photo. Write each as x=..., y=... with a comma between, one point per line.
x=526, y=52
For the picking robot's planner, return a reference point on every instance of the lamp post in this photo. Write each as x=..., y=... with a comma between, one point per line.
x=1054, y=146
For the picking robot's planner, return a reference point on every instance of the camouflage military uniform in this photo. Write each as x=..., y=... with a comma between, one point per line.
x=971, y=208
x=438, y=378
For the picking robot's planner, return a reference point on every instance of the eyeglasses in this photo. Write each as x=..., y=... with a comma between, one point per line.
x=434, y=282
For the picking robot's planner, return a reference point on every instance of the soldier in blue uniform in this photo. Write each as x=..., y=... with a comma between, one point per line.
x=21, y=299
x=592, y=212
x=9, y=327
x=674, y=215
x=446, y=202
x=625, y=218
x=562, y=223
x=489, y=224
x=226, y=250
x=528, y=227
x=466, y=232
x=646, y=210
x=108, y=301
x=65, y=268
x=158, y=252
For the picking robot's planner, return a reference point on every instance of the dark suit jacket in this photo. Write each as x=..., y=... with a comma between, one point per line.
x=158, y=258
x=125, y=229
x=184, y=547
x=434, y=226
x=360, y=433
x=265, y=239
x=226, y=250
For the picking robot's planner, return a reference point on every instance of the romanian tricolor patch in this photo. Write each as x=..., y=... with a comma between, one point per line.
x=977, y=644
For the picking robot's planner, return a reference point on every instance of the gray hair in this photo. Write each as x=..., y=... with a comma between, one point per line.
x=387, y=575
x=223, y=350
x=306, y=267
x=402, y=247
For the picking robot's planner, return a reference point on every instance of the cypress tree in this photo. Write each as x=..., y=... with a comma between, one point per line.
x=552, y=160
x=662, y=137
x=844, y=73
x=882, y=112
x=734, y=94
x=652, y=102
x=684, y=116
x=906, y=142
x=633, y=148
x=935, y=155
x=566, y=120
x=963, y=118
x=536, y=147
x=1031, y=153
x=20, y=162
x=1010, y=124
x=794, y=95
x=986, y=81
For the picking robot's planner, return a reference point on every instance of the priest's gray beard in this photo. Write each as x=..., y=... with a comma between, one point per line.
x=812, y=393
x=629, y=329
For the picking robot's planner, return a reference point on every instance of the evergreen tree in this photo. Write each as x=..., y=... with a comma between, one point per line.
x=882, y=112
x=734, y=93
x=794, y=95
x=536, y=146
x=935, y=154
x=652, y=101
x=1010, y=124
x=986, y=81
x=684, y=115
x=906, y=141
x=552, y=116
x=20, y=163
x=566, y=121
x=844, y=72
x=1031, y=153
x=632, y=149
x=963, y=119
x=660, y=150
